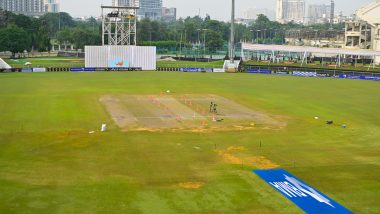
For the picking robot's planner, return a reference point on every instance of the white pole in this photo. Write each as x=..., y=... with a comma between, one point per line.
x=303, y=59
x=339, y=61
x=232, y=39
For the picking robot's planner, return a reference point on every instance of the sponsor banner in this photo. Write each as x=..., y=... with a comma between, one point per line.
x=373, y=78
x=305, y=197
x=76, y=69
x=89, y=69
x=323, y=75
x=39, y=69
x=219, y=70
x=282, y=72
x=254, y=71
x=354, y=77
x=361, y=77
x=121, y=69
x=304, y=74
x=191, y=69
x=26, y=70
x=82, y=69
x=349, y=76
x=118, y=63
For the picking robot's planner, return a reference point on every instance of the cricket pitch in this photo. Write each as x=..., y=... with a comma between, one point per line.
x=183, y=112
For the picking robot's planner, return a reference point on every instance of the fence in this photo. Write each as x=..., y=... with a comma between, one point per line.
x=312, y=72
x=290, y=71
x=68, y=69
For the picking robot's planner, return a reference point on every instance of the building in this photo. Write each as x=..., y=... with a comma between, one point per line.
x=169, y=14
x=52, y=6
x=315, y=38
x=252, y=13
x=332, y=12
x=364, y=32
x=319, y=13
x=290, y=11
x=280, y=9
x=295, y=11
x=150, y=9
x=358, y=35
x=26, y=7
x=125, y=3
x=245, y=22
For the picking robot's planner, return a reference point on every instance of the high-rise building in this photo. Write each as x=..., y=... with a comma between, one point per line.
x=169, y=14
x=295, y=11
x=280, y=9
x=332, y=12
x=319, y=13
x=51, y=6
x=131, y=3
x=151, y=9
x=290, y=10
x=26, y=7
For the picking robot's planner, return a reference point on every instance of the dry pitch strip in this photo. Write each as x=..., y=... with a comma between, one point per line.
x=184, y=113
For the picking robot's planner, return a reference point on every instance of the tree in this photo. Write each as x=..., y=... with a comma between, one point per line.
x=56, y=21
x=14, y=39
x=64, y=36
x=83, y=37
x=25, y=22
x=214, y=40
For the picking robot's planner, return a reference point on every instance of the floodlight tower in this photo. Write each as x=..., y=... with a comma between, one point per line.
x=119, y=23
x=232, y=39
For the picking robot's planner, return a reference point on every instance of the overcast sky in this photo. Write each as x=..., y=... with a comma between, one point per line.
x=218, y=9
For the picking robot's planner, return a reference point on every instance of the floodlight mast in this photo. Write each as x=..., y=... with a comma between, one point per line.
x=119, y=25
x=232, y=39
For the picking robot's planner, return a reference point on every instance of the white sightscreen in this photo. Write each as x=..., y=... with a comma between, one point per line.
x=121, y=56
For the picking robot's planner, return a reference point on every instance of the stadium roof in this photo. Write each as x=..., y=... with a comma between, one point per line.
x=303, y=49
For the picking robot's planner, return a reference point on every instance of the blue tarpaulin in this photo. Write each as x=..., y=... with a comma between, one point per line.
x=305, y=197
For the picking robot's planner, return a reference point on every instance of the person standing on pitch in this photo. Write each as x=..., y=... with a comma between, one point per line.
x=215, y=111
x=211, y=105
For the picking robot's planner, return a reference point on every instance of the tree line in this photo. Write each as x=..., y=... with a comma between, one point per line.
x=19, y=33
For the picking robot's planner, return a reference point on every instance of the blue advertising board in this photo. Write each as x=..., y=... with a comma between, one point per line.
x=76, y=69
x=26, y=70
x=305, y=197
x=191, y=69
x=82, y=69
x=256, y=71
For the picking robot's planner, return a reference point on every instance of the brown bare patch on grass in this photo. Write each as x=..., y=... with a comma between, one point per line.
x=191, y=185
x=229, y=155
x=261, y=162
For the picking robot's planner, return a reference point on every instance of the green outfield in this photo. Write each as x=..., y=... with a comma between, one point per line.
x=50, y=163
x=53, y=62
